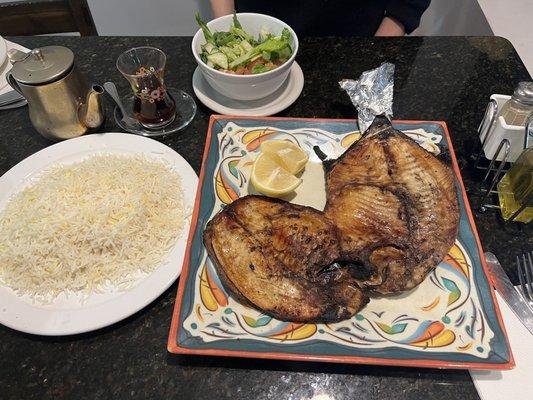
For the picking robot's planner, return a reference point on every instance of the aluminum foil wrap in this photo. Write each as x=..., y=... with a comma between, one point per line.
x=371, y=94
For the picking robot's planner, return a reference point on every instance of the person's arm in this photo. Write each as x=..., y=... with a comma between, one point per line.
x=222, y=7
x=402, y=14
x=390, y=27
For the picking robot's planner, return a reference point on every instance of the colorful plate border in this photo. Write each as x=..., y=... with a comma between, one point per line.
x=173, y=346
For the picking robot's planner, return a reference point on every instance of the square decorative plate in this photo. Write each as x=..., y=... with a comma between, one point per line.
x=451, y=320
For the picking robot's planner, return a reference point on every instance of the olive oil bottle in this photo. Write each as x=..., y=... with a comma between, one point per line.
x=515, y=190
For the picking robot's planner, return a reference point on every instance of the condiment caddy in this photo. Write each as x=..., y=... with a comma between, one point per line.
x=506, y=134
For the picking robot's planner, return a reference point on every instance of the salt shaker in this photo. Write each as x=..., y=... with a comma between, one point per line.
x=504, y=122
x=520, y=106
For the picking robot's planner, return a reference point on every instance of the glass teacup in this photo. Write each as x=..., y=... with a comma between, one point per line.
x=144, y=68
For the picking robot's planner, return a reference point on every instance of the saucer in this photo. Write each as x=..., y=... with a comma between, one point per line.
x=269, y=105
x=185, y=112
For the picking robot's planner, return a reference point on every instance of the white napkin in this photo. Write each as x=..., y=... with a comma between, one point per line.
x=518, y=382
x=6, y=66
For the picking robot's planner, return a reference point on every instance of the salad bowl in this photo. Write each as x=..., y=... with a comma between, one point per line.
x=253, y=86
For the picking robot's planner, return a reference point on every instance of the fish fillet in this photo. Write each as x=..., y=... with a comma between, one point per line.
x=396, y=206
x=272, y=254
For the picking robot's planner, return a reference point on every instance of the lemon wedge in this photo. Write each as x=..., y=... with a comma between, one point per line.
x=291, y=157
x=270, y=178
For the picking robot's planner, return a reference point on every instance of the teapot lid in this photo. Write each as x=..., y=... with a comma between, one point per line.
x=41, y=65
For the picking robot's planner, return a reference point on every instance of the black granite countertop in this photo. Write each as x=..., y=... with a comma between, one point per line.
x=438, y=78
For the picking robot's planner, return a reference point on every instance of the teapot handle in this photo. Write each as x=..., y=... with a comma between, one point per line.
x=13, y=83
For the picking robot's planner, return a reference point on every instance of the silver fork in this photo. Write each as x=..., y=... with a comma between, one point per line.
x=524, y=269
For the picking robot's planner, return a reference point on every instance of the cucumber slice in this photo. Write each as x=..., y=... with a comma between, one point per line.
x=219, y=59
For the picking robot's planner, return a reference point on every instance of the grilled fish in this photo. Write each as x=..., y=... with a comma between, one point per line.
x=276, y=256
x=391, y=216
x=395, y=205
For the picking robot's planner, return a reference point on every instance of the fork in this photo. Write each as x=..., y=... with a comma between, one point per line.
x=525, y=274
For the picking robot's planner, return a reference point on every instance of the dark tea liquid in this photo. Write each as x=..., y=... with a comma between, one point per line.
x=156, y=113
x=153, y=106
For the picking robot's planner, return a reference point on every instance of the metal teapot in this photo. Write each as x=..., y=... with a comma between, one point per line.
x=61, y=104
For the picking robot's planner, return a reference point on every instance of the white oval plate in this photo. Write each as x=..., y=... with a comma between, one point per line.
x=72, y=314
x=270, y=105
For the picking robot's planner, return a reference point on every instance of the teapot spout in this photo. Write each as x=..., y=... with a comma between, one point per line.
x=91, y=114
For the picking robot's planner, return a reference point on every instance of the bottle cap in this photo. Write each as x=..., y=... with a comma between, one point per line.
x=524, y=93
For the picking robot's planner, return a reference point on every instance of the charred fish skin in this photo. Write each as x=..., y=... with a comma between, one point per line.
x=246, y=273
x=388, y=159
x=370, y=218
x=287, y=245
x=380, y=125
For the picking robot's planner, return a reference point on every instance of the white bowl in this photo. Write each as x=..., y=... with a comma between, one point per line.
x=246, y=87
